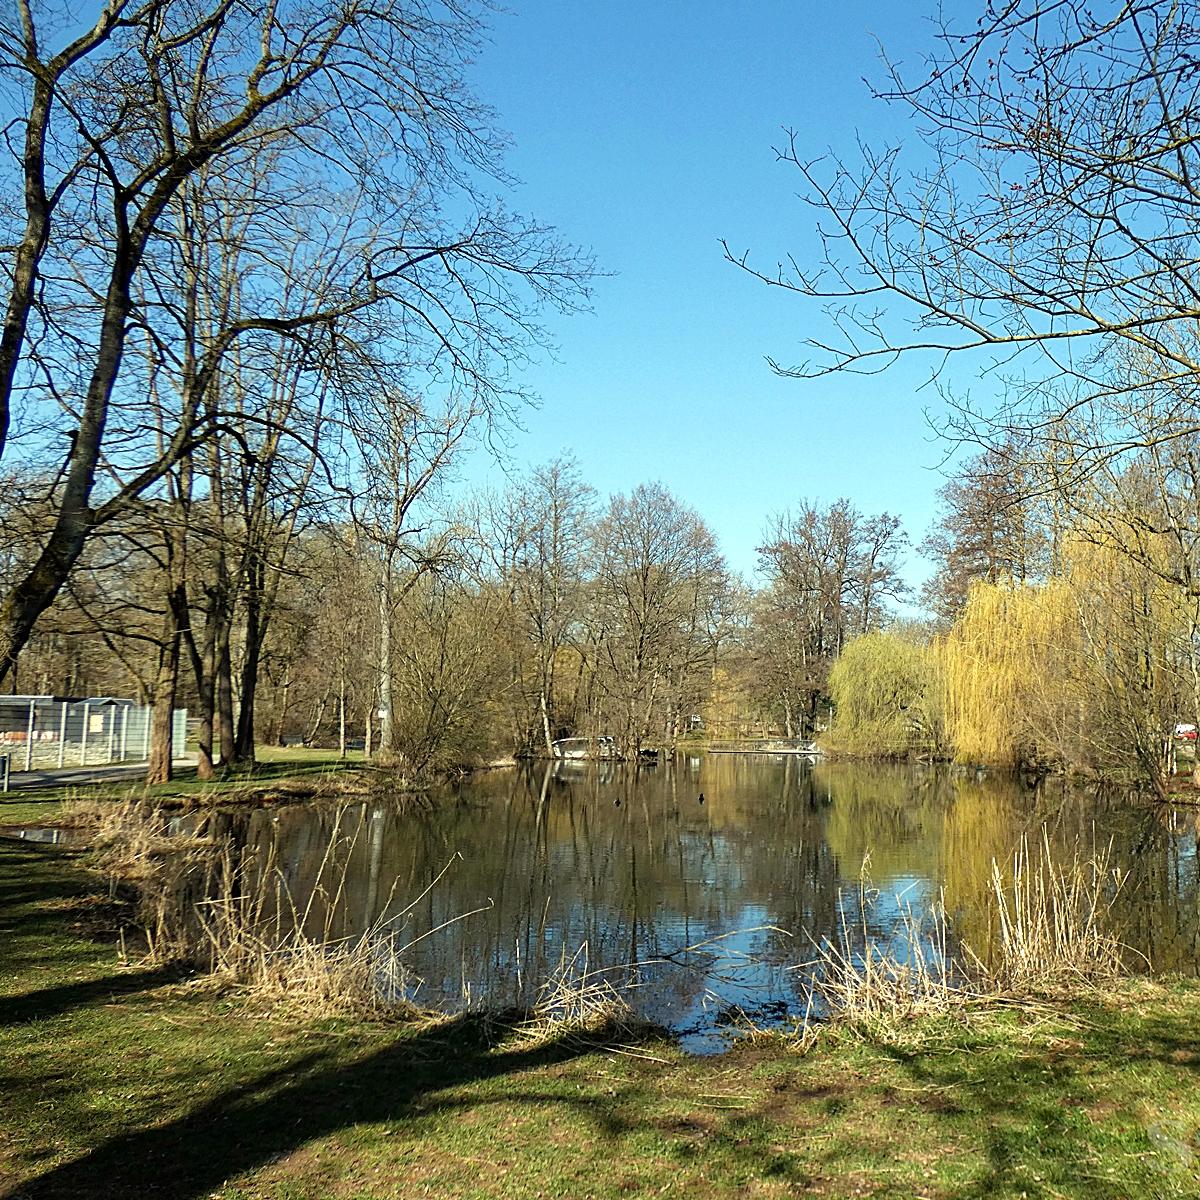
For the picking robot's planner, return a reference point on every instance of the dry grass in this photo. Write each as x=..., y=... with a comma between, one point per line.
x=1054, y=922
x=1053, y=933
x=268, y=956
x=257, y=939
x=233, y=914
x=128, y=837
x=872, y=986
x=131, y=842
x=577, y=1000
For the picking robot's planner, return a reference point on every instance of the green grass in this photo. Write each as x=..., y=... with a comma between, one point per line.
x=276, y=766
x=131, y=1082
x=309, y=755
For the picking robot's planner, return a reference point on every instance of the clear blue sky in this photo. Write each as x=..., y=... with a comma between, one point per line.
x=645, y=131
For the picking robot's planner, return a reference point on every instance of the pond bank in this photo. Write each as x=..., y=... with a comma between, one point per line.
x=136, y=1082
x=286, y=777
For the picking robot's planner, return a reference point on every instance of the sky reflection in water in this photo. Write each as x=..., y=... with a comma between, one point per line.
x=716, y=903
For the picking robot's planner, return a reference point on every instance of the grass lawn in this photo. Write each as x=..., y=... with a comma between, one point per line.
x=131, y=1082
x=276, y=766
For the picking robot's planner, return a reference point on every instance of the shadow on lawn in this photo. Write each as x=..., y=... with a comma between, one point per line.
x=278, y=1112
x=1044, y=1113
x=52, y=1001
x=46, y=902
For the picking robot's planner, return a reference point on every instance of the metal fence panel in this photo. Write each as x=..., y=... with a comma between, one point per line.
x=40, y=733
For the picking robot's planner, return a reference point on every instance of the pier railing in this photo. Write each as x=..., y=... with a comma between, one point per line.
x=764, y=746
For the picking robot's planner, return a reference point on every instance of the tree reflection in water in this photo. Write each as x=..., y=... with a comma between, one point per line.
x=707, y=908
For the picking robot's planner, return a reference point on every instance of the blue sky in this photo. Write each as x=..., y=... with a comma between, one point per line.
x=645, y=131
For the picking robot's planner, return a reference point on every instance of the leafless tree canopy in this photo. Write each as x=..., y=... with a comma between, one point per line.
x=326, y=157
x=1043, y=214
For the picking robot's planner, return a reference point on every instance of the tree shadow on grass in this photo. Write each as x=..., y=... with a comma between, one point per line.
x=276, y=1113
x=53, y=1001
x=1040, y=1110
x=55, y=922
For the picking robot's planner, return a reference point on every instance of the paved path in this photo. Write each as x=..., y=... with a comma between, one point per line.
x=21, y=781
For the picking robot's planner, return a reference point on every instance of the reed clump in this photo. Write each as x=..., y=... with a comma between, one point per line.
x=854, y=981
x=1051, y=933
x=258, y=943
x=131, y=839
x=259, y=940
x=575, y=1000
x=135, y=844
x=1053, y=922
x=232, y=914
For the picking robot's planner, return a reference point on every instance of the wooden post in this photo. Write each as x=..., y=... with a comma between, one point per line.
x=29, y=737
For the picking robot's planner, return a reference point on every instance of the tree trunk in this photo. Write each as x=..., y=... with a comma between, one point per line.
x=342, y=712
x=162, y=718
x=386, y=725
x=549, y=741
x=281, y=716
x=224, y=695
x=202, y=659
x=243, y=747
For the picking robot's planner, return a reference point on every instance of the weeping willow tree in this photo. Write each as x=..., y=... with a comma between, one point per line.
x=884, y=695
x=1086, y=671
x=1009, y=673
x=1136, y=633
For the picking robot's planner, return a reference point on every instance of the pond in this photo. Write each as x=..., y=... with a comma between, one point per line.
x=705, y=883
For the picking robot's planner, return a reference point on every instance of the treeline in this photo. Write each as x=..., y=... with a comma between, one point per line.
x=438, y=631
x=1035, y=246
x=263, y=286
x=1069, y=634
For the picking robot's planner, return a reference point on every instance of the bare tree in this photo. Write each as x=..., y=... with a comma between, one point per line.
x=989, y=529
x=404, y=452
x=1043, y=221
x=829, y=573
x=537, y=542
x=658, y=594
x=359, y=98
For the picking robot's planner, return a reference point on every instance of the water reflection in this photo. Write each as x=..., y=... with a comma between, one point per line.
x=716, y=901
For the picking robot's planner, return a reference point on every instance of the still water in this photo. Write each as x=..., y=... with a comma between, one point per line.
x=705, y=882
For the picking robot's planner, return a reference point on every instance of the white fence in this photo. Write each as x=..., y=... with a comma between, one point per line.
x=40, y=733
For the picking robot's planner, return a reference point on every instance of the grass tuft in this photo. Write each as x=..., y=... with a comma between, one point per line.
x=1052, y=936
x=577, y=1001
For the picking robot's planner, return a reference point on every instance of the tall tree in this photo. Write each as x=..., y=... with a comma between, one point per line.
x=537, y=540
x=986, y=531
x=361, y=98
x=659, y=594
x=829, y=572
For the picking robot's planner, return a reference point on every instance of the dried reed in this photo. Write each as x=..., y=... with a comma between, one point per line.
x=1053, y=921
x=258, y=939
x=1052, y=931
x=873, y=986
x=130, y=839
x=575, y=1000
